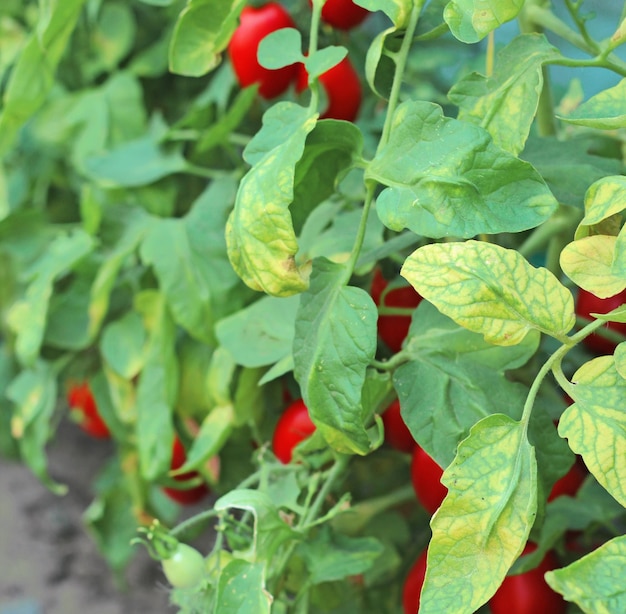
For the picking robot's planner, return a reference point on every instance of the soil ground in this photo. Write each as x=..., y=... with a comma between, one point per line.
x=48, y=562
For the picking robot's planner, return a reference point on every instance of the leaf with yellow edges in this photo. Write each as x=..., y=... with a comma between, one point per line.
x=588, y=262
x=484, y=521
x=595, y=425
x=260, y=237
x=490, y=290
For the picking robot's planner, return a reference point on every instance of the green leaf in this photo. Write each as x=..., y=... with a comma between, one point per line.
x=32, y=77
x=568, y=167
x=471, y=20
x=604, y=199
x=398, y=11
x=491, y=290
x=595, y=425
x=136, y=163
x=190, y=262
x=589, y=263
x=158, y=386
x=604, y=111
x=27, y=317
x=441, y=399
x=432, y=332
x=484, y=521
x=262, y=333
x=270, y=529
x=332, y=556
x=241, y=588
x=280, y=48
x=123, y=343
x=446, y=177
x=34, y=393
x=595, y=582
x=259, y=233
x=110, y=519
x=329, y=152
x=130, y=224
x=323, y=60
x=202, y=32
x=506, y=102
x=335, y=342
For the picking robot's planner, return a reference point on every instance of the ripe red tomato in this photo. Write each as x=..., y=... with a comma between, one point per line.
x=293, y=427
x=413, y=585
x=255, y=24
x=393, y=329
x=343, y=14
x=586, y=304
x=85, y=412
x=569, y=483
x=529, y=593
x=396, y=431
x=187, y=496
x=426, y=477
x=343, y=90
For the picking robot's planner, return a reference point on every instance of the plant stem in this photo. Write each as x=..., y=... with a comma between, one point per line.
x=400, y=59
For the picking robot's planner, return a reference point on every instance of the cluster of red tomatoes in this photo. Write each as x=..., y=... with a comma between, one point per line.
x=341, y=83
x=84, y=412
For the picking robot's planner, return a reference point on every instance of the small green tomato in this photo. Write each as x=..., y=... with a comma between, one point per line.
x=185, y=568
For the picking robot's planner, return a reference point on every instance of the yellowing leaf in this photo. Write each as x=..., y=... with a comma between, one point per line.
x=472, y=20
x=490, y=290
x=595, y=425
x=588, y=262
x=484, y=521
x=596, y=581
x=604, y=111
x=604, y=198
x=260, y=236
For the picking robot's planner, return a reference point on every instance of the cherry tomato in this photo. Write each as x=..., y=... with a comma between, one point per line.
x=343, y=90
x=529, y=593
x=293, y=427
x=343, y=14
x=187, y=496
x=569, y=483
x=393, y=329
x=255, y=24
x=185, y=568
x=586, y=304
x=413, y=585
x=396, y=431
x=426, y=477
x=85, y=411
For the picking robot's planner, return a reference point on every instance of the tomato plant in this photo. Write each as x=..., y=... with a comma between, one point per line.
x=588, y=303
x=196, y=248
x=342, y=87
x=413, y=584
x=426, y=478
x=528, y=592
x=393, y=329
x=184, y=496
x=293, y=427
x=85, y=411
x=256, y=24
x=343, y=14
x=396, y=431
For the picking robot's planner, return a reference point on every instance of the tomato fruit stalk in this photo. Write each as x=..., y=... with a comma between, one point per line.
x=255, y=24
x=393, y=329
x=85, y=411
x=293, y=427
x=187, y=496
x=529, y=593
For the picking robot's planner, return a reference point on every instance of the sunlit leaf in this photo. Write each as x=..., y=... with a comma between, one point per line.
x=472, y=20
